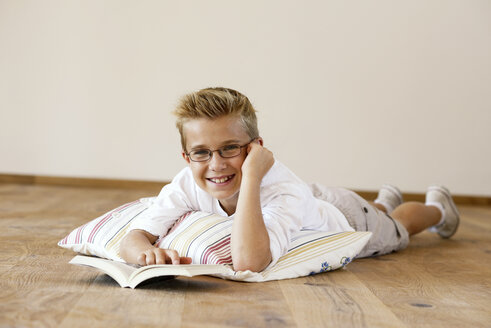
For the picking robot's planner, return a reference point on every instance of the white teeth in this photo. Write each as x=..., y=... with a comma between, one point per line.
x=222, y=180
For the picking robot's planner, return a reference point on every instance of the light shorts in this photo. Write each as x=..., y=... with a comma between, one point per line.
x=388, y=235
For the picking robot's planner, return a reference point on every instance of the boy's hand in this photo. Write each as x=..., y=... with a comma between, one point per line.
x=161, y=256
x=137, y=248
x=258, y=161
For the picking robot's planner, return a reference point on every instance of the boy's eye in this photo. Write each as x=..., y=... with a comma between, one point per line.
x=200, y=152
x=230, y=150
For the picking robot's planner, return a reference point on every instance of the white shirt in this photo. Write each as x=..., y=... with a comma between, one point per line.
x=287, y=203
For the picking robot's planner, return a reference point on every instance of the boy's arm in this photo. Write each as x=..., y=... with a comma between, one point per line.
x=250, y=245
x=137, y=247
x=172, y=202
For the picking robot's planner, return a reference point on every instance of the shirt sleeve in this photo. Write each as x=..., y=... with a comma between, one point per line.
x=172, y=202
x=282, y=215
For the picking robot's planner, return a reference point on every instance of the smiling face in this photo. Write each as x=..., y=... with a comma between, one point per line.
x=220, y=177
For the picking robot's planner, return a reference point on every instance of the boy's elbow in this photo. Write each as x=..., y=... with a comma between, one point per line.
x=254, y=265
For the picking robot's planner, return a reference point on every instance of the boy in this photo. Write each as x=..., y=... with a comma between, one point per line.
x=232, y=174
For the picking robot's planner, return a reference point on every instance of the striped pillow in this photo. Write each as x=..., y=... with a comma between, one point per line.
x=206, y=239
x=310, y=252
x=202, y=236
x=102, y=236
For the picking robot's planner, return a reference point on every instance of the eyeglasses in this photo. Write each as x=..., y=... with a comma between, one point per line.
x=228, y=151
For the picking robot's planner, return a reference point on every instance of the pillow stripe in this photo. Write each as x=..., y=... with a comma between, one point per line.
x=110, y=215
x=211, y=236
x=327, y=244
x=202, y=227
x=115, y=239
x=97, y=227
x=288, y=261
x=206, y=239
x=319, y=241
x=79, y=233
x=176, y=224
x=218, y=253
x=304, y=253
x=308, y=240
x=311, y=253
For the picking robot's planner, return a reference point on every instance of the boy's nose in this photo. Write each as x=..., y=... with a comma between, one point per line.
x=217, y=162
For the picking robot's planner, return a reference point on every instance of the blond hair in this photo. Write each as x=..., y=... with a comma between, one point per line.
x=213, y=103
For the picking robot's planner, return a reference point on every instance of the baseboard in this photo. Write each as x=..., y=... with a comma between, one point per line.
x=157, y=185
x=416, y=197
x=81, y=182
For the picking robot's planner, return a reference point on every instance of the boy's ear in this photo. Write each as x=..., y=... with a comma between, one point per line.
x=260, y=141
x=186, y=158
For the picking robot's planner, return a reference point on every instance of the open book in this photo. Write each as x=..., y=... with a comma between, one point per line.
x=128, y=275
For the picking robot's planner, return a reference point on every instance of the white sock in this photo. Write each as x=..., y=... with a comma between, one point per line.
x=440, y=207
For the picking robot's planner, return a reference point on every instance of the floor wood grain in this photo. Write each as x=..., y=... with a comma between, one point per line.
x=433, y=283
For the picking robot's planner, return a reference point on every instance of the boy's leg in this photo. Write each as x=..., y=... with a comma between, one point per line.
x=439, y=213
x=416, y=217
x=388, y=234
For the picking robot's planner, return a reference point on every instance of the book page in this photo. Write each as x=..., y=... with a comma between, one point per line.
x=188, y=270
x=125, y=268
x=119, y=271
x=128, y=275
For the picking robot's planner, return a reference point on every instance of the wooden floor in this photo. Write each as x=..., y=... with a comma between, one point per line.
x=433, y=283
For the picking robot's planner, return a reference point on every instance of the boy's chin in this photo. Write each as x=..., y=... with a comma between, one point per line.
x=226, y=197
x=224, y=193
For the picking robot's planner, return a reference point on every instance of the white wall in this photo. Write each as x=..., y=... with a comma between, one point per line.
x=349, y=93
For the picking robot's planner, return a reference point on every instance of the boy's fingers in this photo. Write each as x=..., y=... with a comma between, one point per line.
x=253, y=144
x=186, y=260
x=141, y=259
x=159, y=257
x=248, y=149
x=173, y=256
x=162, y=256
x=150, y=258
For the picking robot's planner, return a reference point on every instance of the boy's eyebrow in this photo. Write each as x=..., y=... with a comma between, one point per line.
x=227, y=142
x=199, y=147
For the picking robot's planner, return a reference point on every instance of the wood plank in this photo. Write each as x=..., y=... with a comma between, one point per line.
x=38, y=287
x=336, y=299
x=39, y=291
x=105, y=304
x=238, y=304
x=434, y=282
